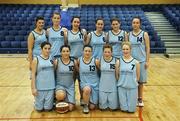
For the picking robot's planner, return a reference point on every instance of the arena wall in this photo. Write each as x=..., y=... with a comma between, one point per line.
x=122, y=2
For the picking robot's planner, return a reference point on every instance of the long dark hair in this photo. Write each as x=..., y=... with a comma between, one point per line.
x=73, y=20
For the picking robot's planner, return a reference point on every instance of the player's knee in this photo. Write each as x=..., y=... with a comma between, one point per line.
x=87, y=90
x=60, y=95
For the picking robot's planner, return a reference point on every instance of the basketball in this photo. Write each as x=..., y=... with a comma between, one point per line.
x=62, y=107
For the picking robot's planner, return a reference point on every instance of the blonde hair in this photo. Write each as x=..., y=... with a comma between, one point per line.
x=126, y=43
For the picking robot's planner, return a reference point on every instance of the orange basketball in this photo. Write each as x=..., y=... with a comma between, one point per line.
x=62, y=107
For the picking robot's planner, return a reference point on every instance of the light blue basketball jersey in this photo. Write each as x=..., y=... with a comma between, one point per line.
x=45, y=74
x=88, y=73
x=56, y=38
x=127, y=74
x=76, y=42
x=97, y=42
x=138, y=46
x=108, y=82
x=38, y=39
x=64, y=74
x=116, y=40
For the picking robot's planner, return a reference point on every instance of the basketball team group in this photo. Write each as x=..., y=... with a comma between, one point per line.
x=109, y=67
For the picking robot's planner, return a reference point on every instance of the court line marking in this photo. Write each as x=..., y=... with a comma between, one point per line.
x=24, y=118
x=162, y=85
x=87, y=117
x=29, y=85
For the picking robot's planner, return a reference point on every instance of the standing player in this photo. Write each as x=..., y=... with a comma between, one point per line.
x=57, y=35
x=140, y=51
x=76, y=38
x=128, y=81
x=89, y=79
x=35, y=38
x=108, y=97
x=97, y=38
x=116, y=36
x=43, y=82
x=65, y=69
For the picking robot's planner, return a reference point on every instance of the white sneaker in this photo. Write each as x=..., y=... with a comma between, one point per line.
x=137, y=103
x=141, y=104
x=85, y=109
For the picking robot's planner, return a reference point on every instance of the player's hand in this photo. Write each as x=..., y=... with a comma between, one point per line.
x=34, y=92
x=146, y=65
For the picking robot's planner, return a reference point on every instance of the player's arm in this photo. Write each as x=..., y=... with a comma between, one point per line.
x=47, y=34
x=117, y=69
x=88, y=39
x=137, y=71
x=33, y=81
x=126, y=36
x=147, y=47
x=75, y=71
x=65, y=35
x=76, y=65
x=107, y=37
x=97, y=62
x=30, y=48
x=55, y=63
x=84, y=32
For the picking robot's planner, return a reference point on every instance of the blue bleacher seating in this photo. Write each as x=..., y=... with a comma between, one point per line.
x=172, y=13
x=5, y=44
x=19, y=38
x=15, y=44
x=9, y=38
x=21, y=21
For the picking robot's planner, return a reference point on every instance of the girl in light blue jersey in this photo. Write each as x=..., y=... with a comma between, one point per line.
x=97, y=39
x=116, y=36
x=65, y=70
x=76, y=38
x=140, y=51
x=108, y=97
x=128, y=82
x=35, y=38
x=57, y=35
x=89, y=79
x=43, y=81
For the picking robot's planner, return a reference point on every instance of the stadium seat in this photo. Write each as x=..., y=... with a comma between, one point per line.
x=15, y=44
x=5, y=44
x=9, y=38
x=19, y=38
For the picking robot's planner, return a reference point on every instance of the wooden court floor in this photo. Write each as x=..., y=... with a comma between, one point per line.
x=161, y=94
